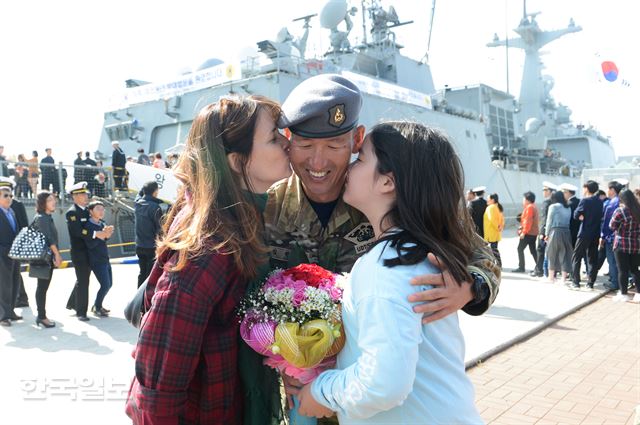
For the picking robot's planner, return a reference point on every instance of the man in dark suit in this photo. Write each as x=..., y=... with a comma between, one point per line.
x=21, y=216
x=9, y=269
x=77, y=217
x=547, y=190
x=589, y=213
x=477, y=208
x=118, y=162
x=78, y=169
x=48, y=172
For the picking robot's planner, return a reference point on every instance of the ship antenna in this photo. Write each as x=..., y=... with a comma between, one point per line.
x=506, y=35
x=425, y=58
x=433, y=12
x=364, y=23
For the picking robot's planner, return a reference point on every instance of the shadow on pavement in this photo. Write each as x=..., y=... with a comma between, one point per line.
x=26, y=334
x=516, y=314
x=55, y=339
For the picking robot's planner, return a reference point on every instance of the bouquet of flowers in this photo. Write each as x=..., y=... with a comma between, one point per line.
x=294, y=320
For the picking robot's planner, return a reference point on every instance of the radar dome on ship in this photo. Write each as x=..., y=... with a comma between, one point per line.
x=333, y=13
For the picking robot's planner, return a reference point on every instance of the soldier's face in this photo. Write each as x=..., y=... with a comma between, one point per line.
x=322, y=164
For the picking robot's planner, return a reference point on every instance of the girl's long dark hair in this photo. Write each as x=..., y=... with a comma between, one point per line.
x=430, y=207
x=496, y=199
x=630, y=201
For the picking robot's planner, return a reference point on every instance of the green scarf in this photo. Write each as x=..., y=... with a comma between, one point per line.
x=261, y=384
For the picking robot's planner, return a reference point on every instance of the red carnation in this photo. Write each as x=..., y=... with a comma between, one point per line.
x=312, y=274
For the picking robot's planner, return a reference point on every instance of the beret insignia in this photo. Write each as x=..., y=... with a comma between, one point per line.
x=337, y=115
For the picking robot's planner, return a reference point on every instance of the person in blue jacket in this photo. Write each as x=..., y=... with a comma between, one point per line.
x=99, y=257
x=148, y=216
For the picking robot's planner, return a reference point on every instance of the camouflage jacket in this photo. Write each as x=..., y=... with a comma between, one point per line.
x=295, y=235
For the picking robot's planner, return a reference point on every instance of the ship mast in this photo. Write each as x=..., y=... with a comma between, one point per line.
x=532, y=39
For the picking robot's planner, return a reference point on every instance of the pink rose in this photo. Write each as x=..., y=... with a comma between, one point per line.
x=299, y=297
x=334, y=291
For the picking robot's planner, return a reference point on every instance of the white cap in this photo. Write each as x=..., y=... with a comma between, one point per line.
x=569, y=187
x=623, y=182
x=80, y=187
x=549, y=185
x=115, y=142
x=479, y=189
x=6, y=183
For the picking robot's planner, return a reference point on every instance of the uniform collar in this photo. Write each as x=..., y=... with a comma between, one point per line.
x=297, y=210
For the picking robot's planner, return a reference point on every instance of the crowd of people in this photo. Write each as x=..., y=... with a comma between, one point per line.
x=565, y=232
x=33, y=175
x=88, y=234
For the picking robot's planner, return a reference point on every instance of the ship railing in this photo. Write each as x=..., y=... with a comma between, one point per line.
x=281, y=62
x=29, y=178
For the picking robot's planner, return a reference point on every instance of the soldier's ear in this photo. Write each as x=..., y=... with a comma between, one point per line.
x=358, y=139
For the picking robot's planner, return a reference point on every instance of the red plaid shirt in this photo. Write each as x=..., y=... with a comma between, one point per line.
x=187, y=351
x=627, y=231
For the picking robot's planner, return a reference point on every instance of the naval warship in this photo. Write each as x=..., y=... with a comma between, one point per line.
x=508, y=144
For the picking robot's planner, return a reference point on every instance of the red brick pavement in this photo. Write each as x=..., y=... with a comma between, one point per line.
x=585, y=369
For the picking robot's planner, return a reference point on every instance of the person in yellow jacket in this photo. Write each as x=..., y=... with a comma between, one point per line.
x=494, y=224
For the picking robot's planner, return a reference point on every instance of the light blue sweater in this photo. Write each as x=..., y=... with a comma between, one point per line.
x=393, y=369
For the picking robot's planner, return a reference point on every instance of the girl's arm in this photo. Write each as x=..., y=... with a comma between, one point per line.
x=382, y=377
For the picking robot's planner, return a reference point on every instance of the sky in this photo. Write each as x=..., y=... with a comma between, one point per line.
x=62, y=60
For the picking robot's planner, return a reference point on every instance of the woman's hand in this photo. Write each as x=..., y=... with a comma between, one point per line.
x=57, y=260
x=309, y=406
x=448, y=297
